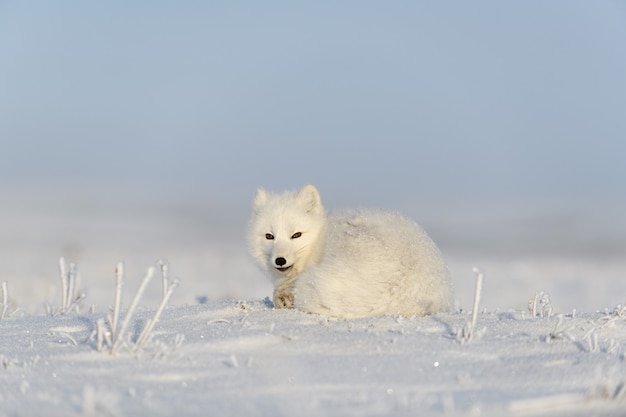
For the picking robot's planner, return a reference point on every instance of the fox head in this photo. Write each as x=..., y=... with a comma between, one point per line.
x=287, y=231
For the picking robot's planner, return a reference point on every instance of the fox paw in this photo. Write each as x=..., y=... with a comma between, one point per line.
x=283, y=298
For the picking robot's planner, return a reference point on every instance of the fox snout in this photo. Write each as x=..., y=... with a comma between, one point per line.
x=280, y=263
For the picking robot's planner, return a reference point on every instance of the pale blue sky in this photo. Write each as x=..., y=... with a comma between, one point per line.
x=378, y=99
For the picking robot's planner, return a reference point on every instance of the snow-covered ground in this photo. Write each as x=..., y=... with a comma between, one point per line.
x=245, y=358
x=221, y=349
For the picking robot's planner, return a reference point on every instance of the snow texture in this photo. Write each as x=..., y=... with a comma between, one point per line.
x=247, y=358
x=525, y=352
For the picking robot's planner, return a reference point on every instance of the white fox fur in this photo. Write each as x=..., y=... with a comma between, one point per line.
x=348, y=264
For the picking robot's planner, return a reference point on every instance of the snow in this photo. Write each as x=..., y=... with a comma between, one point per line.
x=246, y=358
x=220, y=348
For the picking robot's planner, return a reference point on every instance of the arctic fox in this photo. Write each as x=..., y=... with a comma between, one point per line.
x=348, y=264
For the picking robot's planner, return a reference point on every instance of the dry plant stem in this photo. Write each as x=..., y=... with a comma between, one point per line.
x=145, y=334
x=468, y=332
x=131, y=310
x=5, y=300
x=164, y=274
x=532, y=307
x=539, y=306
x=69, y=298
x=64, y=279
x=479, y=287
x=74, y=303
x=71, y=284
x=119, y=278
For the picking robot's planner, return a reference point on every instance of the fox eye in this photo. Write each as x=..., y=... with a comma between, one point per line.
x=296, y=235
x=269, y=236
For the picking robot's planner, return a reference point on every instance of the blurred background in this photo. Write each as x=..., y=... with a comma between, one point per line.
x=134, y=131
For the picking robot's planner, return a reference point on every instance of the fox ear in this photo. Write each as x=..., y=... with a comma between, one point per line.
x=309, y=198
x=260, y=199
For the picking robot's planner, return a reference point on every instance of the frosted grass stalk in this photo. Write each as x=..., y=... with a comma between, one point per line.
x=71, y=287
x=145, y=334
x=5, y=299
x=532, y=306
x=593, y=343
x=477, y=292
x=131, y=310
x=468, y=332
x=64, y=279
x=119, y=278
x=164, y=274
x=74, y=303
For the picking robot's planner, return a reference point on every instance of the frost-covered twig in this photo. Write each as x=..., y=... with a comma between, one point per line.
x=111, y=335
x=119, y=278
x=71, y=285
x=168, y=289
x=164, y=266
x=70, y=298
x=117, y=338
x=4, y=312
x=64, y=278
x=100, y=331
x=469, y=332
x=5, y=300
x=540, y=305
x=613, y=347
x=592, y=340
x=145, y=334
x=477, y=293
x=620, y=311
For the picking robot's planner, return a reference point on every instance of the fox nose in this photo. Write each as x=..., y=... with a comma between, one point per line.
x=280, y=261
